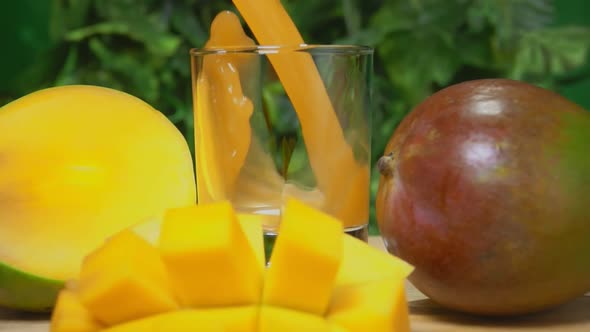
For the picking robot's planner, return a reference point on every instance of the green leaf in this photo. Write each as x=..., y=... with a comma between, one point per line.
x=29, y=38
x=122, y=9
x=67, y=75
x=189, y=26
x=287, y=148
x=551, y=51
x=475, y=50
x=420, y=15
x=352, y=17
x=141, y=29
x=509, y=19
x=140, y=79
x=432, y=61
x=317, y=21
x=418, y=49
x=74, y=12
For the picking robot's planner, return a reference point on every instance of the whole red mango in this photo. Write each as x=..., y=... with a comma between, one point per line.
x=485, y=189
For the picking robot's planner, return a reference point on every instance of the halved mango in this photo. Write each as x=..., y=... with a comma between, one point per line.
x=78, y=164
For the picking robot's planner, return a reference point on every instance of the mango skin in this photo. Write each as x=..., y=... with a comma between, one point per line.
x=484, y=190
x=27, y=292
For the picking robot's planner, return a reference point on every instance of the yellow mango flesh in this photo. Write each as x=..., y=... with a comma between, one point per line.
x=304, y=261
x=209, y=257
x=274, y=319
x=70, y=315
x=227, y=319
x=331, y=157
x=363, y=264
x=376, y=306
x=125, y=280
x=118, y=251
x=78, y=164
x=251, y=224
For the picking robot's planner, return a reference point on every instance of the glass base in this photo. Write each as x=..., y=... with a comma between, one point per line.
x=360, y=232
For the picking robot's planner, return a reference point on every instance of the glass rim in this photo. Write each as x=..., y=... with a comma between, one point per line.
x=316, y=49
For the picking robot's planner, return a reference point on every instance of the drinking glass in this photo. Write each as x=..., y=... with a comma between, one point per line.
x=280, y=122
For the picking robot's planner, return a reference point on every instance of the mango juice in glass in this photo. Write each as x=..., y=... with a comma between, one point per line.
x=273, y=122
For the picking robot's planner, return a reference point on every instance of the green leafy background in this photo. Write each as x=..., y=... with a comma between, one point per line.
x=141, y=47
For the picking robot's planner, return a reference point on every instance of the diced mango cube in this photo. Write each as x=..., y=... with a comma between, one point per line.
x=210, y=260
x=378, y=306
x=305, y=260
x=275, y=319
x=226, y=319
x=125, y=279
x=69, y=315
x=362, y=263
x=119, y=250
x=252, y=227
x=251, y=224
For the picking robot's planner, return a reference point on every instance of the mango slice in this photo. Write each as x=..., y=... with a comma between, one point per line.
x=210, y=260
x=377, y=306
x=227, y=319
x=362, y=264
x=70, y=315
x=129, y=268
x=305, y=260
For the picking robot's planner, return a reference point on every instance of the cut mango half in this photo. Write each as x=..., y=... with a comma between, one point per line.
x=78, y=164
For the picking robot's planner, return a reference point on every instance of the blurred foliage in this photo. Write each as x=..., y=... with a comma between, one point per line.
x=141, y=47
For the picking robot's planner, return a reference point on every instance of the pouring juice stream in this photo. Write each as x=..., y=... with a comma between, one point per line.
x=342, y=179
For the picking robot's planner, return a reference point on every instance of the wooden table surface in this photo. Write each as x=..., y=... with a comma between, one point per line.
x=425, y=317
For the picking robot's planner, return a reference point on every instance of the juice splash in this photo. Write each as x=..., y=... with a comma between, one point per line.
x=222, y=116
